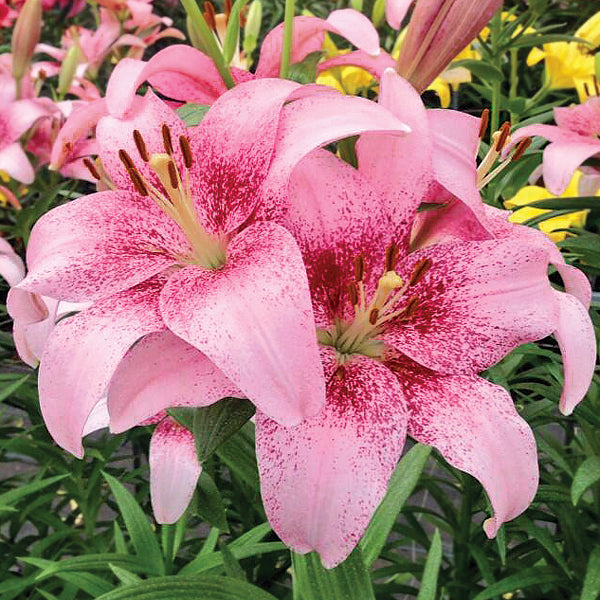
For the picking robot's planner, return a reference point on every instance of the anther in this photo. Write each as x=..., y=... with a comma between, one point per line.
x=587, y=89
x=186, y=151
x=209, y=15
x=91, y=167
x=373, y=316
x=411, y=307
x=391, y=256
x=521, y=148
x=419, y=271
x=484, y=123
x=359, y=268
x=138, y=182
x=173, y=180
x=228, y=7
x=167, y=141
x=503, y=137
x=126, y=159
x=353, y=293
x=140, y=145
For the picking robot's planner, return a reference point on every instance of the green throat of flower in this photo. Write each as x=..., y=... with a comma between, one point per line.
x=360, y=335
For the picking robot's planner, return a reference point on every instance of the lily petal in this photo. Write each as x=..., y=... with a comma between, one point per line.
x=322, y=480
x=11, y=266
x=395, y=11
x=14, y=161
x=82, y=354
x=162, y=371
x=253, y=319
x=475, y=427
x=577, y=341
x=174, y=470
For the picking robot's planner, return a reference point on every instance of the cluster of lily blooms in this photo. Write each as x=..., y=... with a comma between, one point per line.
x=239, y=258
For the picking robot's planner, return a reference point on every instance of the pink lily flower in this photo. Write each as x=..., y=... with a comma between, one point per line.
x=177, y=249
x=403, y=336
x=573, y=140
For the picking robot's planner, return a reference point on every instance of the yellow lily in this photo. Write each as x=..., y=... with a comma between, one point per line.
x=550, y=227
x=571, y=64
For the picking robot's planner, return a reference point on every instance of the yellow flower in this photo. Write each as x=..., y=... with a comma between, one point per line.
x=347, y=79
x=532, y=193
x=571, y=64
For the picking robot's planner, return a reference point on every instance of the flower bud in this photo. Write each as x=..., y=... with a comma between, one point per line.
x=252, y=27
x=26, y=35
x=68, y=69
x=194, y=35
x=378, y=12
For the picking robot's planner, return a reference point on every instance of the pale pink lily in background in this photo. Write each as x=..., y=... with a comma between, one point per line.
x=148, y=263
x=403, y=337
x=573, y=140
x=437, y=32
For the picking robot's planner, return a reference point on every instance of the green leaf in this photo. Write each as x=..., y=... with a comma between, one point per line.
x=232, y=35
x=232, y=566
x=209, y=504
x=527, y=41
x=348, y=581
x=92, y=584
x=544, y=538
x=305, y=71
x=216, y=423
x=586, y=475
x=239, y=456
x=9, y=390
x=15, y=495
x=184, y=416
x=565, y=203
x=523, y=579
x=142, y=537
x=483, y=70
x=192, y=114
x=591, y=583
x=126, y=577
x=189, y=588
x=428, y=589
x=402, y=483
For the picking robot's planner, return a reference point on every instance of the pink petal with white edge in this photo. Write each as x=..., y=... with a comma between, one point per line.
x=174, y=470
x=577, y=341
x=478, y=301
x=322, y=480
x=100, y=244
x=253, y=319
x=475, y=427
x=356, y=28
x=395, y=11
x=147, y=115
x=162, y=371
x=232, y=151
x=11, y=266
x=14, y=161
x=400, y=168
x=83, y=352
x=97, y=419
x=312, y=122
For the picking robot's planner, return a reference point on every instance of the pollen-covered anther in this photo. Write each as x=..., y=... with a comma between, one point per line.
x=521, y=148
x=91, y=167
x=140, y=145
x=167, y=139
x=359, y=267
x=411, y=307
x=353, y=293
x=420, y=271
x=503, y=137
x=484, y=123
x=391, y=256
x=374, y=316
x=186, y=151
x=209, y=15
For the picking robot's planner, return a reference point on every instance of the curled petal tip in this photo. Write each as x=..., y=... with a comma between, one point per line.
x=564, y=408
x=490, y=526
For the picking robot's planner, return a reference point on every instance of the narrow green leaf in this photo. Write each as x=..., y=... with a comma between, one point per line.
x=239, y=456
x=13, y=496
x=305, y=71
x=46, y=594
x=348, y=581
x=591, y=583
x=125, y=577
x=142, y=537
x=92, y=584
x=485, y=71
x=527, y=41
x=192, y=115
x=120, y=545
x=428, y=589
x=9, y=390
x=586, y=475
x=209, y=504
x=232, y=566
x=544, y=538
x=88, y=562
x=189, y=588
x=523, y=579
x=255, y=535
x=232, y=35
x=564, y=203
x=402, y=483
x=216, y=423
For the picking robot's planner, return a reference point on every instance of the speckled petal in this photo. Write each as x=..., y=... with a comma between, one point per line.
x=376, y=65
x=474, y=425
x=98, y=245
x=478, y=301
x=253, y=319
x=174, y=470
x=577, y=341
x=162, y=371
x=322, y=480
x=82, y=354
x=232, y=151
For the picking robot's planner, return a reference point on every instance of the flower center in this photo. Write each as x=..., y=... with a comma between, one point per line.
x=359, y=335
x=176, y=198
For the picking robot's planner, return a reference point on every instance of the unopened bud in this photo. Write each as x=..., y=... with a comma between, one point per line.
x=68, y=70
x=26, y=35
x=194, y=35
x=252, y=27
x=378, y=13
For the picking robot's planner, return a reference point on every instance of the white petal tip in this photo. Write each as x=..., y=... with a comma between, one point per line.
x=490, y=527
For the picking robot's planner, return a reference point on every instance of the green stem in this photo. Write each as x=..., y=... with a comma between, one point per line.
x=495, y=31
x=168, y=543
x=209, y=42
x=461, y=540
x=287, y=38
